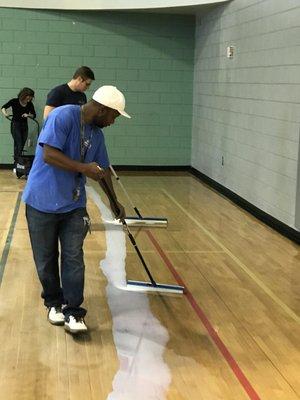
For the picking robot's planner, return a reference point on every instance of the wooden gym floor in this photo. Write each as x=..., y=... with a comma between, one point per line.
x=234, y=335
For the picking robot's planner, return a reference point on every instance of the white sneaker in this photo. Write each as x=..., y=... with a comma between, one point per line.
x=75, y=324
x=55, y=316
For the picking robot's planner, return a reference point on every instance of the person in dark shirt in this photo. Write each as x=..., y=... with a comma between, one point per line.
x=22, y=108
x=71, y=92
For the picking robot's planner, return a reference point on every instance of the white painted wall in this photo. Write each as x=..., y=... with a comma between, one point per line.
x=246, y=109
x=297, y=218
x=103, y=4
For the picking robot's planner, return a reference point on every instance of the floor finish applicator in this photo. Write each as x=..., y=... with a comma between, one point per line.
x=139, y=220
x=140, y=286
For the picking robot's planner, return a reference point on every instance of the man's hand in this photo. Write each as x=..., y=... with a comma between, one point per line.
x=93, y=171
x=118, y=213
x=25, y=115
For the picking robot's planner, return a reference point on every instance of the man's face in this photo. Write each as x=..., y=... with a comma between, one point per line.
x=105, y=117
x=83, y=84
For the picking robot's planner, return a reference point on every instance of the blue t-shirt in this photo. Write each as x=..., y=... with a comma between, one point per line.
x=49, y=188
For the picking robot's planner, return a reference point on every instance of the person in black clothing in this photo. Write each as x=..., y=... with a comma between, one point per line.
x=71, y=92
x=22, y=108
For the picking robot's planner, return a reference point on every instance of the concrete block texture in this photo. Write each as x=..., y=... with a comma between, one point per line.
x=149, y=57
x=245, y=131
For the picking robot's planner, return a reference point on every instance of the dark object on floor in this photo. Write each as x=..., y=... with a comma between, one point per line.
x=23, y=165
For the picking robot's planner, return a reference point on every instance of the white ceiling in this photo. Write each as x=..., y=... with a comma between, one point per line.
x=169, y=6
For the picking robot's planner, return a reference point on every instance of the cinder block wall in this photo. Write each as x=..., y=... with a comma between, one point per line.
x=149, y=57
x=246, y=109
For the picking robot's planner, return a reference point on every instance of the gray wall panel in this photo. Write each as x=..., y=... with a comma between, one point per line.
x=246, y=110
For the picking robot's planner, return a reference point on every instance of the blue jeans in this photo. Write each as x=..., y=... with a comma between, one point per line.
x=47, y=230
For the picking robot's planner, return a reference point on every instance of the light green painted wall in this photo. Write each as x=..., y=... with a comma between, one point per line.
x=148, y=56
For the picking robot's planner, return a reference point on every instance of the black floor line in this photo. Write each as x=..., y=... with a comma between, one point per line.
x=9, y=237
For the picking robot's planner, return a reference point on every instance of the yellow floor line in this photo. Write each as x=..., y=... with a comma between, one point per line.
x=144, y=252
x=268, y=291
x=194, y=251
x=178, y=251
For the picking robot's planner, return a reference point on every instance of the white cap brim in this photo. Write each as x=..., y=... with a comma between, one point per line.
x=124, y=114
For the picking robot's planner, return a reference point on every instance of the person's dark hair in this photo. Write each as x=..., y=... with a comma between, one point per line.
x=25, y=92
x=85, y=73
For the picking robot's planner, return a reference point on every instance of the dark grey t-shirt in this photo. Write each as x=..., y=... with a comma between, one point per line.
x=62, y=95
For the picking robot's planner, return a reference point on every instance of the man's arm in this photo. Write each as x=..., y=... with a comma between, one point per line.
x=47, y=110
x=54, y=99
x=56, y=158
x=92, y=170
x=107, y=178
x=120, y=211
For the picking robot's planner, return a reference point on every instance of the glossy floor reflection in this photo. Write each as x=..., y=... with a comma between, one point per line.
x=243, y=282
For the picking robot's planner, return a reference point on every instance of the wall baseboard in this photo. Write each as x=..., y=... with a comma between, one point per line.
x=274, y=223
x=141, y=168
x=6, y=166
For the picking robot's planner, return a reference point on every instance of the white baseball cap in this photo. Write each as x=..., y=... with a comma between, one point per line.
x=111, y=97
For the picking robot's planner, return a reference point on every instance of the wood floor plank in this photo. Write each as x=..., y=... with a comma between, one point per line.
x=40, y=361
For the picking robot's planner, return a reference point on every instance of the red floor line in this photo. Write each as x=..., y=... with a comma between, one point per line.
x=213, y=334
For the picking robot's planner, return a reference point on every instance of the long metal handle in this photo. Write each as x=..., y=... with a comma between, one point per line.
x=125, y=191
x=113, y=201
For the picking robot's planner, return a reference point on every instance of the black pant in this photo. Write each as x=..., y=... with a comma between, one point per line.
x=19, y=131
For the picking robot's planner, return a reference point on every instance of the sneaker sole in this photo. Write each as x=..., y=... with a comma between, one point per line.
x=74, y=331
x=57, y=323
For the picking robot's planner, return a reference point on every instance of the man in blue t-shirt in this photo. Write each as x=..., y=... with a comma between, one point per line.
x=71, y=148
